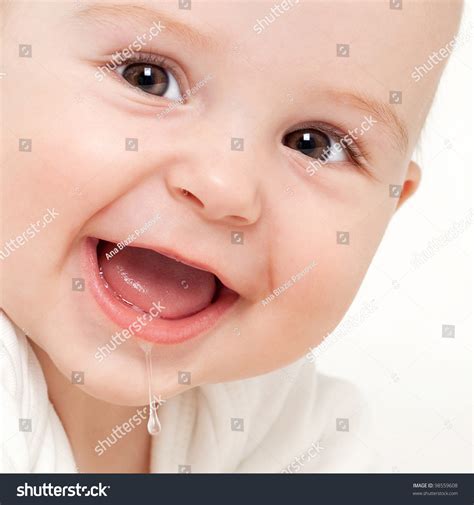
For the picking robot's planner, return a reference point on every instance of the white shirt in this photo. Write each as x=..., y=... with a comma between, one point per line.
x=293, y=420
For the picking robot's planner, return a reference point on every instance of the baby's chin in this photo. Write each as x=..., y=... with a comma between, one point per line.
x=122, y=380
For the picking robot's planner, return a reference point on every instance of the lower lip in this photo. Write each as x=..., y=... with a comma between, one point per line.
x=159, y=331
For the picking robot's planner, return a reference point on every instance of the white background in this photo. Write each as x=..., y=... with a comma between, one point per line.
x=417, y=384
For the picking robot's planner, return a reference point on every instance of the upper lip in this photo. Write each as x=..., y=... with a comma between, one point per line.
x=170, y=253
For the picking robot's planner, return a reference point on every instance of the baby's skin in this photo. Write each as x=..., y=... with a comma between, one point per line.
x=267, y=150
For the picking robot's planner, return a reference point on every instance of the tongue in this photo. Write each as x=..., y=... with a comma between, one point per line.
x=143, y=277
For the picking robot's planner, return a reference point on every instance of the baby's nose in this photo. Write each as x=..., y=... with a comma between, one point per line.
x=224, y=187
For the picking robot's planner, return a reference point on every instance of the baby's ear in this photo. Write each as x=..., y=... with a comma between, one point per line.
x=411, y=183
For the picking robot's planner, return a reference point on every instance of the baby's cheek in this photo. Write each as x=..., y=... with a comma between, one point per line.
x=319, y=298
x=321, y=293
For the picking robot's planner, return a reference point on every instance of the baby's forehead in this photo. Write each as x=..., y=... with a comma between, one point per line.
x=296, y=48
x=368, y=47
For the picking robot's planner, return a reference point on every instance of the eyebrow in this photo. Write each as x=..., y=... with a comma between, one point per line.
x=382, y=112
x=114, y=13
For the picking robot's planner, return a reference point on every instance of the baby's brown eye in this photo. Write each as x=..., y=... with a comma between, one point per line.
x=313, y=143
x=149, y=78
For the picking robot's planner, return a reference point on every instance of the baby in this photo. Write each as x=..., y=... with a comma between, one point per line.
x=192, y=193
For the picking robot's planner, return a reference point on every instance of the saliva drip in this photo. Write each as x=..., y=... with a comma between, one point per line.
x=154, y=425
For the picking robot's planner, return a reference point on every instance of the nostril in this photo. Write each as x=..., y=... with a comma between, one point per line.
x=238, y=219
x=189, y=196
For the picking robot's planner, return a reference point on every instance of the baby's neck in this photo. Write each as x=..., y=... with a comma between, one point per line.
x=93, y=427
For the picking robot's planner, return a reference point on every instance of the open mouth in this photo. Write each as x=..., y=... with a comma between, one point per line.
x=177, y=300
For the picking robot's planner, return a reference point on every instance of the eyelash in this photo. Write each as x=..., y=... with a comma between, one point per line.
x=357, y=152
x=160, y=61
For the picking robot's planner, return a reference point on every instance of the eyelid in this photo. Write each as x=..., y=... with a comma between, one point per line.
x=159, y=61
x=356, y=150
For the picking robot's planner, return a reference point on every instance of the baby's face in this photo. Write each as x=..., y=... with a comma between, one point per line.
x=281, y=225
